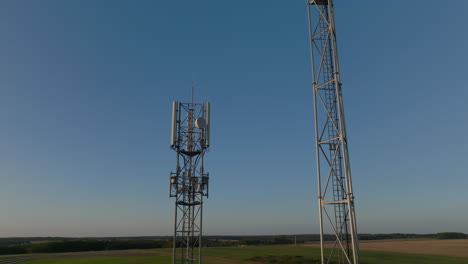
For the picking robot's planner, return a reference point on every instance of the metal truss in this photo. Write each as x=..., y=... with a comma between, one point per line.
x=335, y=191
x=189, y=184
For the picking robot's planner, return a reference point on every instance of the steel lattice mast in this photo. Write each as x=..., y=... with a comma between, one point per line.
x=335, y=191
x=189, y=184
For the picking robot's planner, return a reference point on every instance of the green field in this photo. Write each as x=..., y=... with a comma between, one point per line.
x=234, y=255
x=105, y=260
x=367, y=257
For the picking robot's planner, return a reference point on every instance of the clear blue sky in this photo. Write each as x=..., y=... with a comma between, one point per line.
x=86, y=88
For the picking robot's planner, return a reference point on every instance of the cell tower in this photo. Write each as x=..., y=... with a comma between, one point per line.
x=190, y=138
x=335, y=190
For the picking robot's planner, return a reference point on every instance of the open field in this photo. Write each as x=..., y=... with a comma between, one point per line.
x=452, y=247
x=118, y=256
x=367, y=257
x=442, y=247
x=374, y=252
x=105, y=260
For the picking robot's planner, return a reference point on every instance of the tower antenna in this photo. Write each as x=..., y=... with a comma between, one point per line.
x=190, y=139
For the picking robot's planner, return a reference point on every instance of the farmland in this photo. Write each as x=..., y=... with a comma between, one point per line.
x=450, y=247
x=445, y=247
x=374, y=252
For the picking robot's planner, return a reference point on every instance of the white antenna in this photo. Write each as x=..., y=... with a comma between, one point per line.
x=207, y=124
x=174, y=123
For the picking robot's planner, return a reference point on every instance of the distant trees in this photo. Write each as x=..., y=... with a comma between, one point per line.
x=451, y=235
x=253, y=242
x=82, y=245
x=277, y=240
x=393, y=236
x=12, y=250
x=67, y=246
x=281, y=240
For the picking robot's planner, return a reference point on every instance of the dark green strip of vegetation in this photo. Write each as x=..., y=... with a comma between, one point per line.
x=451, y=235
x=11, y=246
x=82, y=245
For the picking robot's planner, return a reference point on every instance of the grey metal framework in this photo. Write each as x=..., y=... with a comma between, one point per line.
x=189, y=183
x=335, y=191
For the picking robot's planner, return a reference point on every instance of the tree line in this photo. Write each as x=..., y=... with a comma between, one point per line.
x=10, y=246
x=82, y=245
